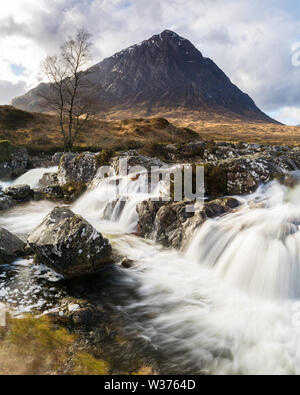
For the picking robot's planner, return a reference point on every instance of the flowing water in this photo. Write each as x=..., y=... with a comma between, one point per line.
x=228, y=304
x=32, y=177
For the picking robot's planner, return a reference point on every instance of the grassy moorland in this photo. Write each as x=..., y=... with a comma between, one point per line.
x=39, y=133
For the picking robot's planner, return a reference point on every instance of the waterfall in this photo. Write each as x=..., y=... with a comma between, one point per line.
x=24, y=218
x=230, y=302
x=111, y=205
x=32, y=177
x=256, y=249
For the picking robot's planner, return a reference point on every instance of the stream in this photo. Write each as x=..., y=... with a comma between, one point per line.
x=228, y=304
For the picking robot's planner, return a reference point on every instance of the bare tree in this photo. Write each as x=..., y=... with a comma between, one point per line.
x=67, y=92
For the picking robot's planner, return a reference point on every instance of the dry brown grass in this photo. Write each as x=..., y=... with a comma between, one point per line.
x=40, y=133
x=261, y=133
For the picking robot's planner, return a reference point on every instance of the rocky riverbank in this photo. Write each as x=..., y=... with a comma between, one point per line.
x=90, y=258
x=229, y=169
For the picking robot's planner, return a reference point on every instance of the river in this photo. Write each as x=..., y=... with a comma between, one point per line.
x=228, y=304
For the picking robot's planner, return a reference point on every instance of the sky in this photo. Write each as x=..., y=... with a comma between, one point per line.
x=256, y=43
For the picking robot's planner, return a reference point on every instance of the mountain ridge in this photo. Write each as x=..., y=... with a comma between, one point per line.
x=163, y=74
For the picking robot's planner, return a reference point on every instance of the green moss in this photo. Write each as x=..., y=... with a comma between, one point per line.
x=73, y=189
x=86, y=364
x=104, y=157
x=34, y=346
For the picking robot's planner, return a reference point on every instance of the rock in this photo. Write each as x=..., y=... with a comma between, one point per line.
x=133, y=160
x=56, y=158
x=291, y=180
x=84, y=316
x=183, y=152
x=6, y=202
x=77, y=169
x=171, y=225
x=11, y=247
x=127, y=263
x=41, y=160
x=50, y=188
x=13, y=160
x=243, y=175
x=49, y=179
x=69, y=245
x=168, y=224
x=19, y=192
x=51, y=192
x=218, y=207
x=147, y=211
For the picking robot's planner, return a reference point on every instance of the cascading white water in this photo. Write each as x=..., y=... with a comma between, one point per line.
x=229, y=303
x=4, y=184
x=22, y=219
x=113, y=210
x=32, y=177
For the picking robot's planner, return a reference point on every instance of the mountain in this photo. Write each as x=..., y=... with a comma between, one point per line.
x=165, y=74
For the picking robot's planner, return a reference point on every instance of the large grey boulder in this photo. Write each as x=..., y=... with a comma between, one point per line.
x=49, y=188
x=69, y=245
x=171, y=224
x=134, y=160
x=13, y=160
x=11, y=247
x=77, y=169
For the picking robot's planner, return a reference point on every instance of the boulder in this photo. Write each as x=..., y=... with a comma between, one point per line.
x=19, y=192
x=69, y=245
x=183, y=152
x=11, y=247
x=133, y=160
x=49, y=179
x=6, y=202
x=168, y=224
x=13, y=160
x=240, y=176
x=171, y=224
x=51, y=192
x=147, y=211
x=77, y=169
x=56, y=158
x=41, y=160
x=50, y=188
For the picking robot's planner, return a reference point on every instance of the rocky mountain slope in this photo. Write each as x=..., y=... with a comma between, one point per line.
x=164, y=74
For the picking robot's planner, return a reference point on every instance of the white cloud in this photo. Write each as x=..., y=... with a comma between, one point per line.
x=288, y=115
x=250, y=40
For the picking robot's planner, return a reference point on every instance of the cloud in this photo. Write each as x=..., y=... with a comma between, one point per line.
x=9, y=89
x=288, y=115
x=250, y=40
